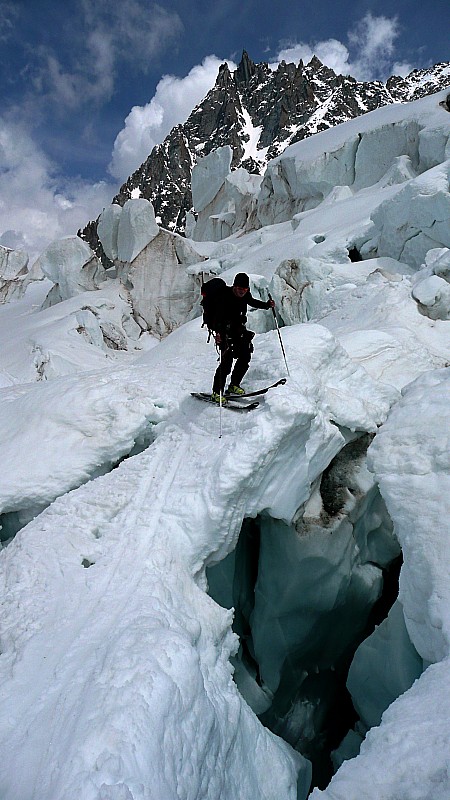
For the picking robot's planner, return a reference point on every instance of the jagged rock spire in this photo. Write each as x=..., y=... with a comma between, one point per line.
x=224, y=76
x=246, y=69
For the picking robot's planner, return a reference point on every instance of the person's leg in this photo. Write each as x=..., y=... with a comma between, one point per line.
x=243, y=354
x=223, y=370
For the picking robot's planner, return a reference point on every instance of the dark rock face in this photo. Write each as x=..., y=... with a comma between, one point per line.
x=258, y=112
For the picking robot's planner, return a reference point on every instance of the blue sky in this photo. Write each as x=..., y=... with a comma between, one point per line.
x=89, y=86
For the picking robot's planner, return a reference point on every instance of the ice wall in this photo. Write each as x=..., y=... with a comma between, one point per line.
x=225, y=201
x=410, y=457
x=162, y=292
x=358, y=154
x=15, y=274
x=415, y=220
x=72, y=267
x=152, y=266
x=125, y=231
x=302, y=596
x=385, y=665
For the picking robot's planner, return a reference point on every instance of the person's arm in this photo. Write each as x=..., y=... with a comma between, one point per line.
x=254, y=303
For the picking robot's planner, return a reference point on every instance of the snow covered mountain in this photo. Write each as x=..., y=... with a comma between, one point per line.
x=258, y=111
x=134, y=518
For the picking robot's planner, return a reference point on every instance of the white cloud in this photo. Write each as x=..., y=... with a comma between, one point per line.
x=402, y=68
x=335, y=55
x=369, y=54
x=101, y=50
x=373, y=39
x=65, y=88
x=146, y=126
x=36, y=205
x=331, y=52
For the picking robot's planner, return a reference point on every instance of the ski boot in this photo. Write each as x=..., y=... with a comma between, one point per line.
x=215, y=397
x=233, y=389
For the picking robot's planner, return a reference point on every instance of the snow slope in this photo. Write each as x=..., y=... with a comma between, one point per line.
x=115, y=680
x=124, y=650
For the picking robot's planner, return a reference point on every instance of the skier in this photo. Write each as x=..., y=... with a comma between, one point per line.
x=232, y=337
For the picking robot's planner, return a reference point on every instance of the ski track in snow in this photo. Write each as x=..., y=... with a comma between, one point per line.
x=82, y=644
x=120, y=599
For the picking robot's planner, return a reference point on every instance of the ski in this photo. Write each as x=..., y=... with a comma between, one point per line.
x=281, y=382
x=228, y=404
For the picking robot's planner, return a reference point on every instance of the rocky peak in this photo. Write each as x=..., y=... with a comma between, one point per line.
x=290, y=69
x=315, y=63
x=258, y=112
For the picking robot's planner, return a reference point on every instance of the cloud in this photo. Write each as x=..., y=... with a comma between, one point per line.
x=37, y=205
x=138, y=31
x=67, y=88
x=108, y=34
x=146, y=126
x=331, y=52
x=9, y=13
x=373, y=38
x=402, y=68
x=101, y=52
x=369, y=55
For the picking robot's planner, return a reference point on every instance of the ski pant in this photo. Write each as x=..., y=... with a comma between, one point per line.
x=240, y=349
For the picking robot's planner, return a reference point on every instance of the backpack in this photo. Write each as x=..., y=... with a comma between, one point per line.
x=213, y=297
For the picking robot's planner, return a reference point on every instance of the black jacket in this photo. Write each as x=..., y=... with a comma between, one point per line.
x=231, y=316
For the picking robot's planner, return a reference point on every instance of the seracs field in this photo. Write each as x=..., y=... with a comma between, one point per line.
x=131, y=530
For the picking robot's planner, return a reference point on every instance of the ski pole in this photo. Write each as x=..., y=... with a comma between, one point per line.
x=279, y=336
x=220, y=395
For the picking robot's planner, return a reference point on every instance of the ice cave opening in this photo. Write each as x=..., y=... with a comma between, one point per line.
x=307, y=597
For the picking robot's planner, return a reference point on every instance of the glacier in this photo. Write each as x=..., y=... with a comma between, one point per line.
x=165, y=591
